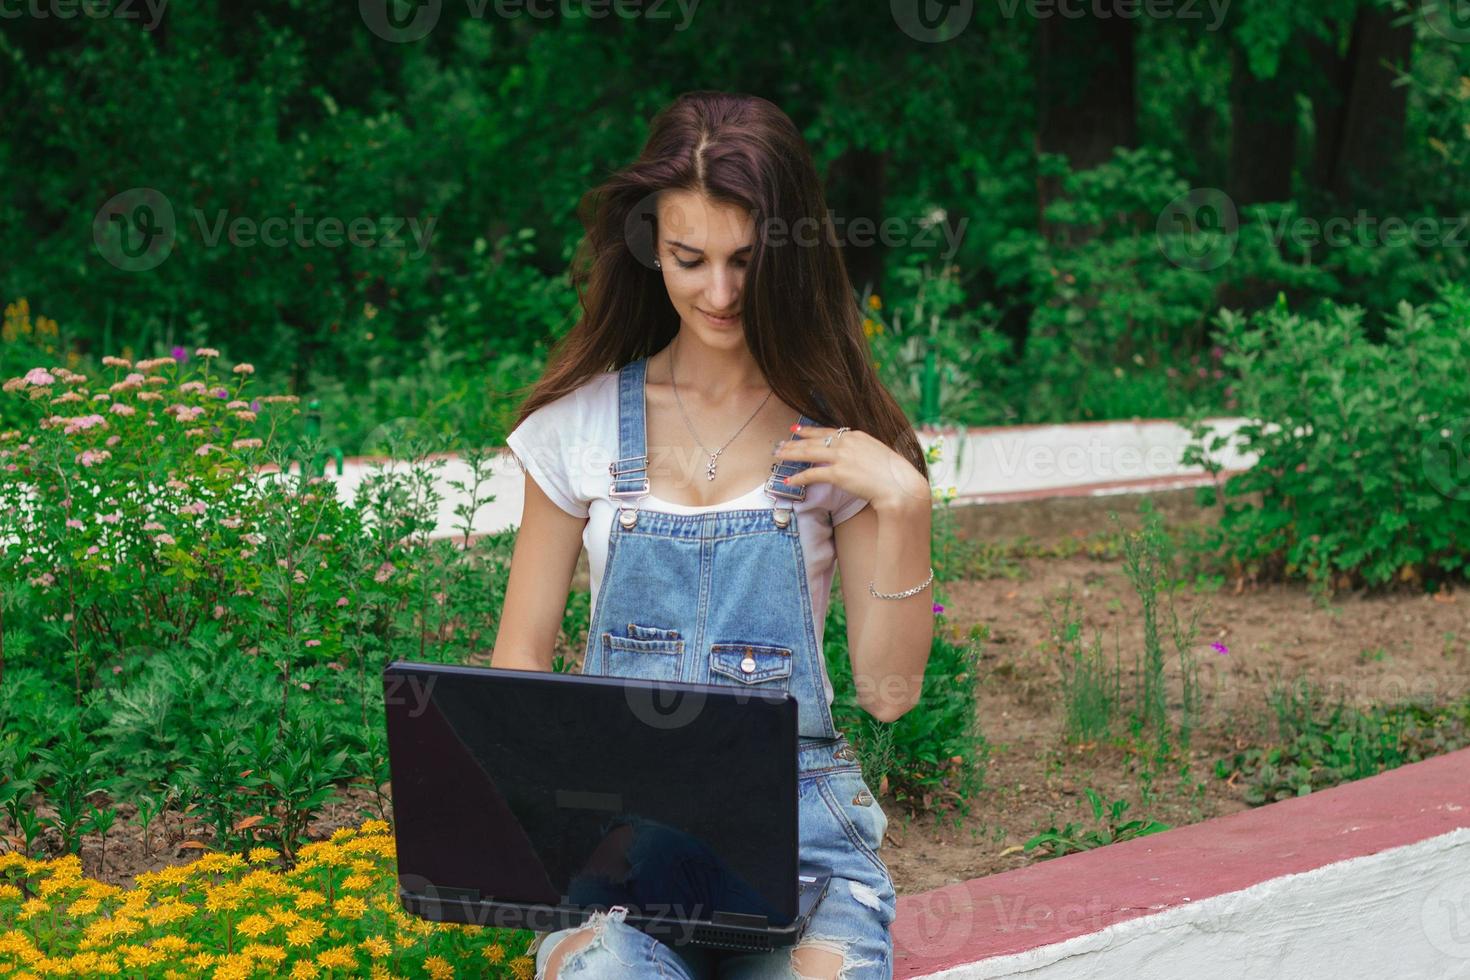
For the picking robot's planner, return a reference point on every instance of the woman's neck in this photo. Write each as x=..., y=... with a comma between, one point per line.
x=709, y=374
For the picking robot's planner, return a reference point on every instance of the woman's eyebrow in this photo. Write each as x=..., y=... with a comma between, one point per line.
x=690, y=248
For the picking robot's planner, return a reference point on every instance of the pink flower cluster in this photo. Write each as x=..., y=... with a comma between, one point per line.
x=90, y=457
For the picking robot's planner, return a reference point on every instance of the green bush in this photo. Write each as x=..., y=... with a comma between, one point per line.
x=172, y=616
x=1320, y=744
x=1360, y=474
x=935, y=754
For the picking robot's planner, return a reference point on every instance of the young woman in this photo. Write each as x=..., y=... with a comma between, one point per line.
x=713, y=433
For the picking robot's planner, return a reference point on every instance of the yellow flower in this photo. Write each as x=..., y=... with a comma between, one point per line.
x=309, y=899
x=260, y=855
x=305, y=934
x=264, y=953
x=254, y=925
x=339, y=957
x=522, y=967
x=82, y=906
x=304, y=970
x=377, y=946
x=874, y=302
x=351, y=907
x=374, y=827
x=171, y=944
x=438, y=968
x=494, y=952
x=140, y=957
x=223, y=897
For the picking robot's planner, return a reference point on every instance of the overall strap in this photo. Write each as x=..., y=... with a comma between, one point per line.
x=630, y=470
x=788, y=467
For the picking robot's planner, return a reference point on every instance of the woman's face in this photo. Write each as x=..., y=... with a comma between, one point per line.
x=704, y=248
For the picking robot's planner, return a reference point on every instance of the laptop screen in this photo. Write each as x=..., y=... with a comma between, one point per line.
x=541, y=788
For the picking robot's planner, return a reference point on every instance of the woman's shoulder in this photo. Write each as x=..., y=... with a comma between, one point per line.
x=591, y=393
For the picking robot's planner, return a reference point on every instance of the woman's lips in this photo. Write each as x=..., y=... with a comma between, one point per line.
x=722, y=321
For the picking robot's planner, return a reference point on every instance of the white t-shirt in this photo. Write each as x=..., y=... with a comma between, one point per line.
x=567, y=444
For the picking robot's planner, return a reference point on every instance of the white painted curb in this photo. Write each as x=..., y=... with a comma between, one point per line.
x=1403, y=912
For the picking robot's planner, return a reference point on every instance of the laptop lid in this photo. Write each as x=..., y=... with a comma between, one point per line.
x=567, y=790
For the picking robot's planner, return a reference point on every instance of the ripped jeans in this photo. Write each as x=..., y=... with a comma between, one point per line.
x=842, y=825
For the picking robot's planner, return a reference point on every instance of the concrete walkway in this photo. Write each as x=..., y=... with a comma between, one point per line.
x=984, y=465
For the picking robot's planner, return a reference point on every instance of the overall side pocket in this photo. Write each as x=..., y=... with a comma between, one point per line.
x=654, y=659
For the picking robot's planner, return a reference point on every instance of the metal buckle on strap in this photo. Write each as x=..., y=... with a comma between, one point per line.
x=790, y=493
x=615, y=493
x=614, y=470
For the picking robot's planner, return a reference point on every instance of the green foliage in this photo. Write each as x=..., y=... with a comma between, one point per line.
x=1319, y=745
x=935, y=753
x=178, y=626
x=1360, y=451
x=1091, y=688
x=1149, y=563
x=930, y=316
x=1118, y=315
x=1054, y=843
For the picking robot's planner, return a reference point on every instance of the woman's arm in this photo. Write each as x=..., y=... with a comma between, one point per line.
x=888, y=640
x=541, y=566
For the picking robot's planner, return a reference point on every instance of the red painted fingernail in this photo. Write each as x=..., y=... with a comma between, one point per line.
x=795, y=426
x=785, y=480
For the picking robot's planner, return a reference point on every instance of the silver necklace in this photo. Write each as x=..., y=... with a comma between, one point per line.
x=709, y=470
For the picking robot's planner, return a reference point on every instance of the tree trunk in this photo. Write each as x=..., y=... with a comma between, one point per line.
x=1086, y=104
x=1262, y=133
x=1360, y=144
x=855, y=192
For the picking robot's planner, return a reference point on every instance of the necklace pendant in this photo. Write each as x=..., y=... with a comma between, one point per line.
x=709, y=471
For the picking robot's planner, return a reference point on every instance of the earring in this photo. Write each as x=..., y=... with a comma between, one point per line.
x=657, y=264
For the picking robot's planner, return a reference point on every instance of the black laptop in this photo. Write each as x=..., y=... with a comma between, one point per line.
x=529, y=799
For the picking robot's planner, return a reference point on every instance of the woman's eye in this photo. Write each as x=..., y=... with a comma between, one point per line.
x=738, y=263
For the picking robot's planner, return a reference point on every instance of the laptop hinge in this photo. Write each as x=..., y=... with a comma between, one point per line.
x=740, y=919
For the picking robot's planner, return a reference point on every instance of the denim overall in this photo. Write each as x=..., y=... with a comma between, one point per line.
x=722, y=598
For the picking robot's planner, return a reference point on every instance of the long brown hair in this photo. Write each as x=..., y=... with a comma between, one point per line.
x=802, y=323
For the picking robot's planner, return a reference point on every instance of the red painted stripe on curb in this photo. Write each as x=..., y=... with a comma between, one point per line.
x=1061, y=898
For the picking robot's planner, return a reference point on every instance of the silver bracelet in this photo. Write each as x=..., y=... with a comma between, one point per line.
x=906, y=592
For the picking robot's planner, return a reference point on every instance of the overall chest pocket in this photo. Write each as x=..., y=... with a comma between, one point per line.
x=654, y=657
x=749, y=663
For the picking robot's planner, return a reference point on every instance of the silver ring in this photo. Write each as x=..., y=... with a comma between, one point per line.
x=835, y=435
